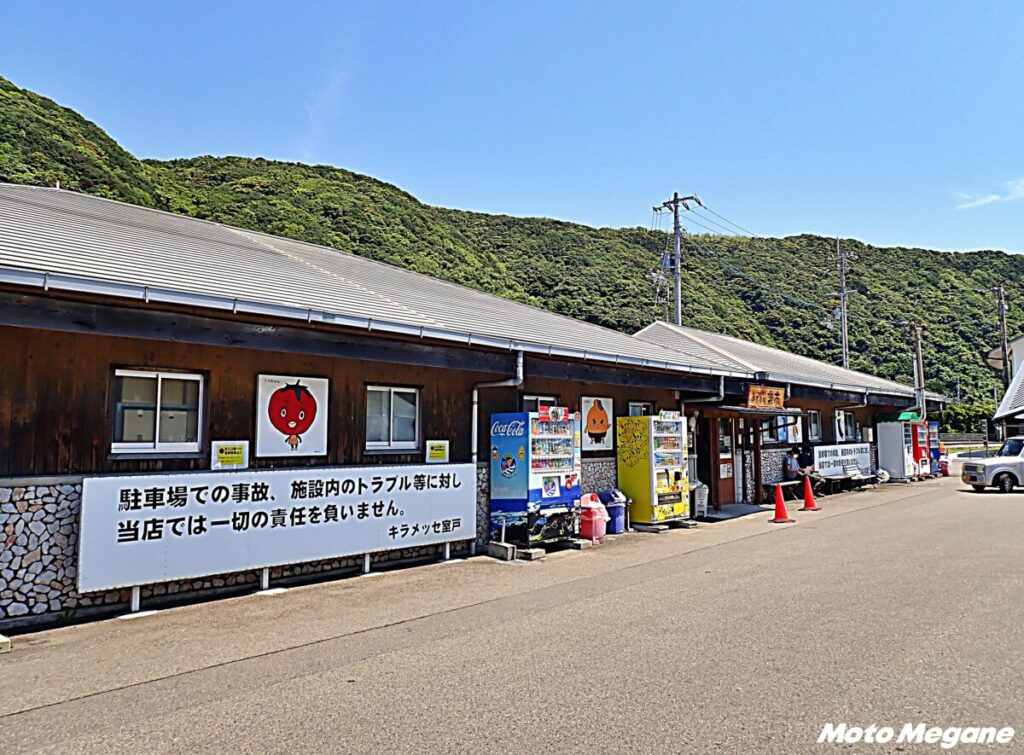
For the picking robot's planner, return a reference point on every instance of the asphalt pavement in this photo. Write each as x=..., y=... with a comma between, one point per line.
x=901, y=605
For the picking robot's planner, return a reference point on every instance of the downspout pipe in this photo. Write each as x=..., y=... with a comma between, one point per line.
x=861, y=405
x=512, y=382
x=710, y=399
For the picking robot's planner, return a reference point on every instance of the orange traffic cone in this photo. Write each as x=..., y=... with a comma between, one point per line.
x=781, y=515
x=809, y=504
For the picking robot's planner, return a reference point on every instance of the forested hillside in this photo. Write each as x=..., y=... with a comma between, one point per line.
x=777, y=291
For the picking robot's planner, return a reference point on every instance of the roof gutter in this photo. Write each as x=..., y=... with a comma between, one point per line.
x=47, y=281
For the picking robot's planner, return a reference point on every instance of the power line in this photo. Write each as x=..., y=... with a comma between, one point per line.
x=712, y=231
x=728, y=231
x=736, y=225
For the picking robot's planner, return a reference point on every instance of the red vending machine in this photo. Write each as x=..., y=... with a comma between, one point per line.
x=922, y=457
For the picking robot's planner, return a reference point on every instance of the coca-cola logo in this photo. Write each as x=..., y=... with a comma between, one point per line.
x=514, y=428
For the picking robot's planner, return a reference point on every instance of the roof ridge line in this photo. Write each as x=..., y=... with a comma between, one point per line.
x=301, y=260
x=715, y=349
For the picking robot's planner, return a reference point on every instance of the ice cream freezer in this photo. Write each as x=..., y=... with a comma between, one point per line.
x=652, y=467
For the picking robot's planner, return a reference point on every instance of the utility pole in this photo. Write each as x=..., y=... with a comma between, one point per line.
x=1000, y=294
x=841, y=261
x=922, y=402
x=677, y=230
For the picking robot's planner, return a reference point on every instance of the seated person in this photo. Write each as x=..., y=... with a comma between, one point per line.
x=795, y=468
x=806, y=457
x=791, y=469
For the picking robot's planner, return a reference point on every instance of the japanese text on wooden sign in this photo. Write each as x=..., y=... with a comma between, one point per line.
x=766, y=397
x=156, y=528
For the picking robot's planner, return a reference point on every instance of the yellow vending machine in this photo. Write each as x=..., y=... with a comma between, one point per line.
x=652, y=467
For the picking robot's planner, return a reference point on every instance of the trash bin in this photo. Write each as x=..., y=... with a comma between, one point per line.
x=593, y=520
x=700, y=500
x=615, y=503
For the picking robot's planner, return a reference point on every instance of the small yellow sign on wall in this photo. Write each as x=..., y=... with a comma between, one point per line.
x=437, y=451
x=229, y=454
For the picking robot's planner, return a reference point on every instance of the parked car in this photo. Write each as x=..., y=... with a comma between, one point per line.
x=1004, y=471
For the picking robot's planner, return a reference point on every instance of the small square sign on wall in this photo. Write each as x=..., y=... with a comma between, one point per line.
x=437, y=451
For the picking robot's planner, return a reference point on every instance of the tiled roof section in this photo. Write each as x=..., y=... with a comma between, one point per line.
x=781, y=366
x=69, y=239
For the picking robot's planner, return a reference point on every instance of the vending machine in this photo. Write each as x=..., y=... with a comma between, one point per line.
x=652, y=467
x=896, y=449
x=535, y=476
x=934, y=449
x=922, y=456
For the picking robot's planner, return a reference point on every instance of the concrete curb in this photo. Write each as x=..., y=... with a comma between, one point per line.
x=5, y=644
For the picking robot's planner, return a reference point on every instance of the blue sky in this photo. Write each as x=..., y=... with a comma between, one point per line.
x=893, y=122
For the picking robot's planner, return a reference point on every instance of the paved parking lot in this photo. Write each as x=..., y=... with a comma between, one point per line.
x=901, y=605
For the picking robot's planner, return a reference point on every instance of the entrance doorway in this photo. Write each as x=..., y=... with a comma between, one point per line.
x=727, y=462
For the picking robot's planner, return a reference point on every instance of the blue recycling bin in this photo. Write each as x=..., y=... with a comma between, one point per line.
x=617, y=521
x=615, y=503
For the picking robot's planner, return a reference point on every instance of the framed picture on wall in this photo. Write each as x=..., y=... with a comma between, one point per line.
x=291, y=416
x=598, y=423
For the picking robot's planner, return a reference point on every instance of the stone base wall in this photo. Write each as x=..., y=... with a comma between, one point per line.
x=748, y=478
x=772, y=461
x=39, y=525
x=598, y=475
x=483, y=505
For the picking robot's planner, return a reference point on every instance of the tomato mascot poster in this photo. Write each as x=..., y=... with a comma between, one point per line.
x=598, y=424
x=291, y=416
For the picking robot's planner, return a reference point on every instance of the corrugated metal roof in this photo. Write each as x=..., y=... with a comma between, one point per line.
x=1013, y=400
x=63, y=239
x=781, y=366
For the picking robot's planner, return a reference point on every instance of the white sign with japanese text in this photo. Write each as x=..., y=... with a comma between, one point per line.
x=142, y=529
x=830, y=460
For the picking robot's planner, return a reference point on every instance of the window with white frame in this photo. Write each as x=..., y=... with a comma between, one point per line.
x=392, y=418
x=641, y=408
x=846, y=426
x=157, y=412
x=813, y=424
x=533, y=403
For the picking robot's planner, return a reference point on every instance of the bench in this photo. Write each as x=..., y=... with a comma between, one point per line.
x=857, y=478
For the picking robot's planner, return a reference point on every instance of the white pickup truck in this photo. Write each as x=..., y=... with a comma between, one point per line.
x=1004, y=471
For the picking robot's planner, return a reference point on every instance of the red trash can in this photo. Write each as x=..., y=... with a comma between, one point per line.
x=593, y=519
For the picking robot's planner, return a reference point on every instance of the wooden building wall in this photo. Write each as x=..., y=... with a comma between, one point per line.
x=56, y=414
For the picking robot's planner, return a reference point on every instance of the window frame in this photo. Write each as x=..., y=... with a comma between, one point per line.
x=392, y=445
x=816, y=435
x=649, y=405
x=541, y=399
x=157, y=447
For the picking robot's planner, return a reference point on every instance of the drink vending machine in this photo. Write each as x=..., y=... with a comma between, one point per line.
x=536, y=463
x=652, y=467
x=934, y=448
x=896, y=449
x=922, y=456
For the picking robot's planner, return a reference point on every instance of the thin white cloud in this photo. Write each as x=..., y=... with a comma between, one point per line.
x=1013, y=190
x=322, y=107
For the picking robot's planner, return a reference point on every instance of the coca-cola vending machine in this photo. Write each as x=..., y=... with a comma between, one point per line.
x=922, y=456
